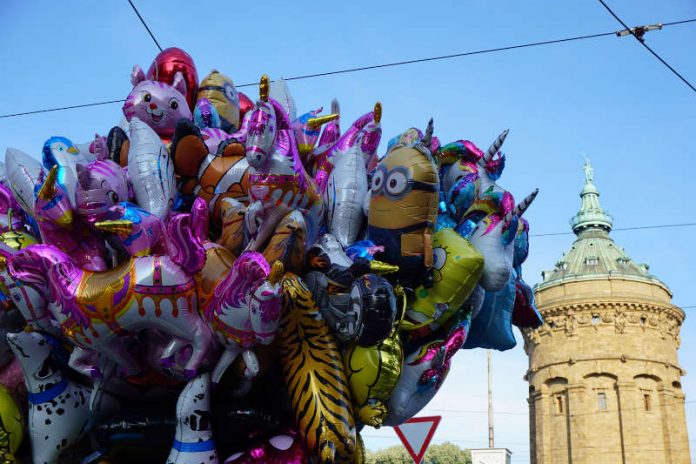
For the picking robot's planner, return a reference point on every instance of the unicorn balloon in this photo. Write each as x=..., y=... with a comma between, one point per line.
x=493, y=236
x=54, y=213
x=278, y=182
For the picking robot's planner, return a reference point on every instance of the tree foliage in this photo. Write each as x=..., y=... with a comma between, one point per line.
x=446, y=453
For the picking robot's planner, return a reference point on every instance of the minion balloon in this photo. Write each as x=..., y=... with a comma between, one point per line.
x=220, y=91
x=403, y=210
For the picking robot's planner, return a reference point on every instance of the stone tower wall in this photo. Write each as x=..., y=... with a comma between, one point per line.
x=605, y=382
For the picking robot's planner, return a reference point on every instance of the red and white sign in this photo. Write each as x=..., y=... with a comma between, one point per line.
x=416, y=434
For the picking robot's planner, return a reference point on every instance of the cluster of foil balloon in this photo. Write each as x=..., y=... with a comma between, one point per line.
x=221, y=280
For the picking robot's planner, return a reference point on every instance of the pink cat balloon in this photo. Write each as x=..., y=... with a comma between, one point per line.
x=100, y=185
x=157, y=104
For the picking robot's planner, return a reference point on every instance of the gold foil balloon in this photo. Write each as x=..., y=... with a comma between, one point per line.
x=403, y=209
x=314, y=376
x=457, y=268
x=220, y=91
x=11, y=425
x=359, y=451
x=373, y=372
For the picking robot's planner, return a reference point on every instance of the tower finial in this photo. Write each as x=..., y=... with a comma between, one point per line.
x=589, y=172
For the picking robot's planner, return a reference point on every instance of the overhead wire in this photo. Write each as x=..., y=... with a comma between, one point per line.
x=647, y=47
x=147, y=28
x=359, y=68
x=619, y=229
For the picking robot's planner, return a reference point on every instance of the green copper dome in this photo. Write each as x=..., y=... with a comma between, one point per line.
x=594, y=253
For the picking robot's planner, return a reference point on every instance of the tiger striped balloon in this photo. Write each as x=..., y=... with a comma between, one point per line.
x=314, y=376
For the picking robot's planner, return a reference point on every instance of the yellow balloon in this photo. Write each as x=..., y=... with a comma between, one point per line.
x=316, y=381
x=373, y=372
x=458, y=267
x=220, y=91
x=17, y=239
x=11, y=425
x=359, y=451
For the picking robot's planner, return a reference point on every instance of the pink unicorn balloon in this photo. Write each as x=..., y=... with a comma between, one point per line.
x=54, y=213
x=245, y=310
x=278, y=182
x=95, y=310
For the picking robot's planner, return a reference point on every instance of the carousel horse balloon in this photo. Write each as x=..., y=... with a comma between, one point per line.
x=278, y=182
x=151, y=170
x=95, y=310
x=245, y=310
x=32, y=303
x=493, y=236
x=58, y=227
x=422, y=375
x=219, y=90
x=58, y=407
x=403, y=209
x=317, y=384
x=156, y=104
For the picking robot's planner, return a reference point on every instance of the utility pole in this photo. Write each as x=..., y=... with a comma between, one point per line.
x=491, y=439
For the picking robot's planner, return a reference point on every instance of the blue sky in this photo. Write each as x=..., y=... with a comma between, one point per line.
x=605, y=97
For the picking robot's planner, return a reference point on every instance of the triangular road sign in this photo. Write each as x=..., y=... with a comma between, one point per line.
x=416, y=434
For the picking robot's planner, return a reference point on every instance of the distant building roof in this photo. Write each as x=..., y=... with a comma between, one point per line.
x=594, y=253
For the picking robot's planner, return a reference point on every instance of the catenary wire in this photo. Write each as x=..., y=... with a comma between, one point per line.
x=647, y=47
x=365, y=68
x=619, y=229
x=145, y=24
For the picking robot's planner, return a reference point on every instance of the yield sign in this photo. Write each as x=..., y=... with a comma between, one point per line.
x=416, y=434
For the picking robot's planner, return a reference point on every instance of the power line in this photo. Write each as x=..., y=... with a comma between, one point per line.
x=360, y=68
x=642, y=42
x=619, y=229
x=145, y=24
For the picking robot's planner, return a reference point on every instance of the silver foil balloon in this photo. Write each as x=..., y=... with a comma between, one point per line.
x=23, y=174
x=345, y=194
x=151, y=170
